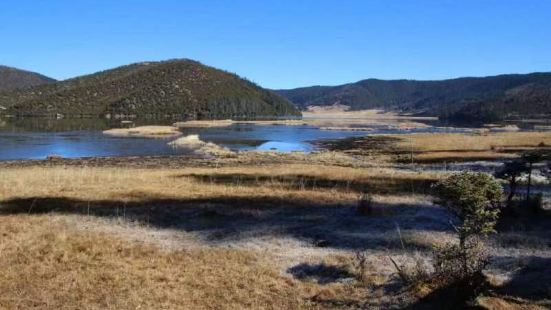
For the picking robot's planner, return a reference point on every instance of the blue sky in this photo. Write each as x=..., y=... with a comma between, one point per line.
x=282, y=44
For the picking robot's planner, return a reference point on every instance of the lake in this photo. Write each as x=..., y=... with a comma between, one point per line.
x=35, y=138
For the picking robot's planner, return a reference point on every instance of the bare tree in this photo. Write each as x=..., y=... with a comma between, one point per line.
x=512, y=171
x=531, y=158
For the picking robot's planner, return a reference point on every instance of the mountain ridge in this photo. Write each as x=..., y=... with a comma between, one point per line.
x=13, y=78
x=179, y=88
x=468, y=98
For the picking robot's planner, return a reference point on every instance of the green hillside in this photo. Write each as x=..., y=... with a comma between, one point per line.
x=12, y=78
x=487, y=98
x=175, y=88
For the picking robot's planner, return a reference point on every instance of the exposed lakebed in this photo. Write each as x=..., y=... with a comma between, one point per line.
x=35, y=138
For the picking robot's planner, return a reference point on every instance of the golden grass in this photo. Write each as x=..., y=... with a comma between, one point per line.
x=497, y=303
x=340, y=112
x=73, y=260
x=473, y=142
x=461, y=156
x=316, y=184
x=51, y=261
x=337, y=118
x=46, y=264
x=457, y=146
x=144, y=131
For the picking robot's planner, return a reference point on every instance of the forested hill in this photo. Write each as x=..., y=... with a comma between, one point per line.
x=12, y=78
x=174, y=88
x=486, y=98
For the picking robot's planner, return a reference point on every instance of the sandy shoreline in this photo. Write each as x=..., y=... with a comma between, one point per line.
x=144, y=131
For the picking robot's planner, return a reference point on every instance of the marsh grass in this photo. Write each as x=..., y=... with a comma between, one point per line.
x=442, y=147
x=309, y=183
x=210, y=237
x=48, y=265
x=63, y=251
x=463, y=147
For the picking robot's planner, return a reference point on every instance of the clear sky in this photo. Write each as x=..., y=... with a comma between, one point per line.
x=282, y=44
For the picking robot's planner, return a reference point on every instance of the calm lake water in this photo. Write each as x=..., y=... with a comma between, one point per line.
x=39, y=138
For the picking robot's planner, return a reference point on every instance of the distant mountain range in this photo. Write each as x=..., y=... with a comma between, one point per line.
x=187, y=89
x=480, y=99
x=183, y=89
x=12, y=78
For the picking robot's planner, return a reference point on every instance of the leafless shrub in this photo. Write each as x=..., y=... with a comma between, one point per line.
x=413, y=273
x=361, y=266
x=453, y=262
x=365, y=270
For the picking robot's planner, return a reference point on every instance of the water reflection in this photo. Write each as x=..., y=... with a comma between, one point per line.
x=38, y=138
x=285, y=147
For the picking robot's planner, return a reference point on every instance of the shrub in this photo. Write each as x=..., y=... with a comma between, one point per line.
x=474, y=199
x=453, y=262
x=361, y=265
x=531, y=158
x=512, y=171
x=413, y=273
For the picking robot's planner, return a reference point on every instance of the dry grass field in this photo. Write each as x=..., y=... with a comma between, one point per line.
x=444, y=147
x=314, y=184
x=47, y=262
x=227, y=233
x=194, y=238
x=431, y=147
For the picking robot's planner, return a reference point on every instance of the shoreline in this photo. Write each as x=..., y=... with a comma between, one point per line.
x=447, y=148
x=147, y=162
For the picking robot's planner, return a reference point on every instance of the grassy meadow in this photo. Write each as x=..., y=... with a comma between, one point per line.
x=253, y=231
x=422, y=148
